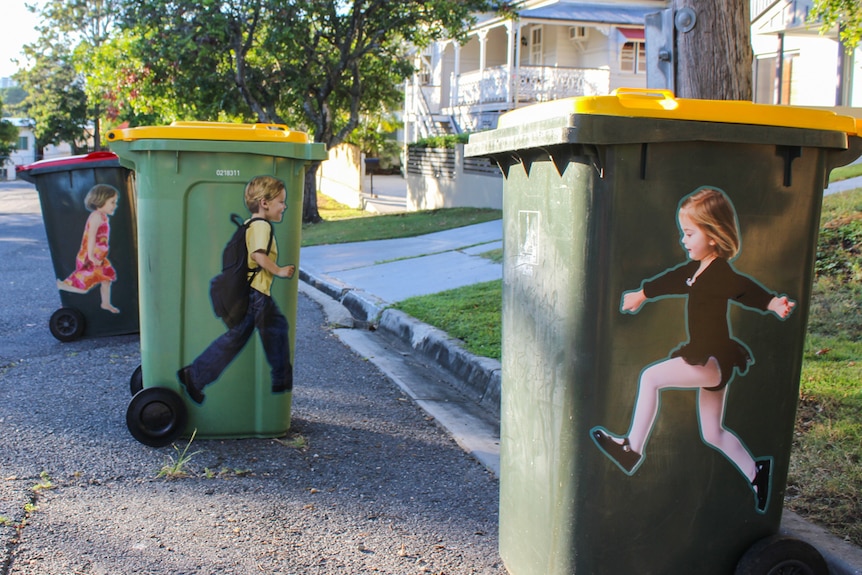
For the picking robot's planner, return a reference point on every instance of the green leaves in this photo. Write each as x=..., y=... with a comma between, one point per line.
x=846, y=14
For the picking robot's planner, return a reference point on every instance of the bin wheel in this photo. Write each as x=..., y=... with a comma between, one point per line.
x=136, y=382
x=156, y=416
x=782, y=555
x=67, y=324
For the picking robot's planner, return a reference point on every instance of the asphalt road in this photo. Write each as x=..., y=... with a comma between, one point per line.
x=379, y=486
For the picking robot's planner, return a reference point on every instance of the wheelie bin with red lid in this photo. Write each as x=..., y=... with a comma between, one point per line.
x=88, y=207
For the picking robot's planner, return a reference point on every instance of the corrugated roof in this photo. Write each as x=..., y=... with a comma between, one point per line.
x=592, y=13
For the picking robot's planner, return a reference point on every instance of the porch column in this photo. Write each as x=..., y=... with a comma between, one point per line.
x=483, y=45
x=454, y=98
x=511, y=42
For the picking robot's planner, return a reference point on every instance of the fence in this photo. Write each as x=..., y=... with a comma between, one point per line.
x=443, y=178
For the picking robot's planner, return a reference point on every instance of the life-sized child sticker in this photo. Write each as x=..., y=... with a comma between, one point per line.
x=92, y=267
x=711, y=357
x=265, y=200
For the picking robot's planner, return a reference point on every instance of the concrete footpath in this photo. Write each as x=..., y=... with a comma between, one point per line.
x=361, y=280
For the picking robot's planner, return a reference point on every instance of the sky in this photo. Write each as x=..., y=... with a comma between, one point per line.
x=18, y=29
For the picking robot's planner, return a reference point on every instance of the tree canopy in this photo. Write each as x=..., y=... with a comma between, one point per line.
x=8, y=137
x=316, y=65
x=845, y=14
x=55, y=99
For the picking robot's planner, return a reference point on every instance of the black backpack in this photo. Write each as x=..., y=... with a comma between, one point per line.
x=229, y=289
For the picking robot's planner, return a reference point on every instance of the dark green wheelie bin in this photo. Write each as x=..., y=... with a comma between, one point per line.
x=658, y=263
x=190, y=183
x=96, y=273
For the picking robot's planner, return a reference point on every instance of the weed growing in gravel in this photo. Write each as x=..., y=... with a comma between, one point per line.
x=294, y=441
x=44, y=483
x=175, y=467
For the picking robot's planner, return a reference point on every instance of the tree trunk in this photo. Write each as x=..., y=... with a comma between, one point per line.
x=310, y=214
x=713, y=58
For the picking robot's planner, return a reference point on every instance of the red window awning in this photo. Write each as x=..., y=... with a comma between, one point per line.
x=633, y=34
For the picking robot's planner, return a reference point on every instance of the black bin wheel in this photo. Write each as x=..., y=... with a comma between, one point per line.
x=156, y=416
x=782, y=555
x=67, y=324
x=136, y=382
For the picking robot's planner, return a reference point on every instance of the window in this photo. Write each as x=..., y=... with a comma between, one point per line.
x=536, y=46
x=633, y=58
x=767, y=88
x=23, y=143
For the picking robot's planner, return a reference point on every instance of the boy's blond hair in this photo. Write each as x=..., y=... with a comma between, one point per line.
x=262, y=188
x=711, y=211
x=99, y=195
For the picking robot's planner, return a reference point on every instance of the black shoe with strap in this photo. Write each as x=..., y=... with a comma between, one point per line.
x=761, y=483
x=621, y=453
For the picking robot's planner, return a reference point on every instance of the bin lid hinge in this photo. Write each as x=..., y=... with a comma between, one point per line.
x=788, y=153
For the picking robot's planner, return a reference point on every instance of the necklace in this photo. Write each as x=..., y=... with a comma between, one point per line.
x=703, y=265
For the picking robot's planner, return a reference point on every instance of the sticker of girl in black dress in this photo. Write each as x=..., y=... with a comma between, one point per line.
x=708, y=361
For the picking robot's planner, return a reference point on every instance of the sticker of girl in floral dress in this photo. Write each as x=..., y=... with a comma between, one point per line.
x=711, y=357
x=92, y=266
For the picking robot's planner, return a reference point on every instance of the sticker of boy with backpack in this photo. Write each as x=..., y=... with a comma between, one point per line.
x=241, y=294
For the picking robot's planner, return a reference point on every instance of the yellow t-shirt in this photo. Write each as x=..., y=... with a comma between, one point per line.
x=257, y=238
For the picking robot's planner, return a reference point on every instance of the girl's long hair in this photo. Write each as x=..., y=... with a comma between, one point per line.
x=99, y=195
x=711, y=211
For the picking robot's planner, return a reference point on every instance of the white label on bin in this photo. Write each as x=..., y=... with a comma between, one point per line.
x=528, y=241
x=227, y=173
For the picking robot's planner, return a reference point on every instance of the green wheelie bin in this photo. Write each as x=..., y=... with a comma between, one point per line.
x=658, y=264
x=88, y=207
x=191, y=182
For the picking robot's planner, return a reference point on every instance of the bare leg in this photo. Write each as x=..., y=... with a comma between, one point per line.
x=673, y=373
x=61, y=285
x=711, y=412
x=105, y=289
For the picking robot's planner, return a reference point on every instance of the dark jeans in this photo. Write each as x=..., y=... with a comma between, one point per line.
x=264, y=315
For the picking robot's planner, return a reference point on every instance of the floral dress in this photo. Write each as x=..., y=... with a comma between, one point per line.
x=87, y=273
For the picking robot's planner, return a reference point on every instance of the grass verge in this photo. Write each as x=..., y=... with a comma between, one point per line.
x=845, y=172
x=342, y=224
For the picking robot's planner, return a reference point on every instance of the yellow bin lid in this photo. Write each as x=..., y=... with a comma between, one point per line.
x=218, y=131
x=645, y=103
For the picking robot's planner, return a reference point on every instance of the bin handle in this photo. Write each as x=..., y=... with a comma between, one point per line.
x=646, y=98
x=282, y=127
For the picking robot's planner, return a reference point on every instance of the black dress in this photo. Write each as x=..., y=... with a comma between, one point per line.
x=708, y=323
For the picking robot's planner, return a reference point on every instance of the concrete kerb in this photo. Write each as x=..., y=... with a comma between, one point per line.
x=365, y=308
x=478, y=378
